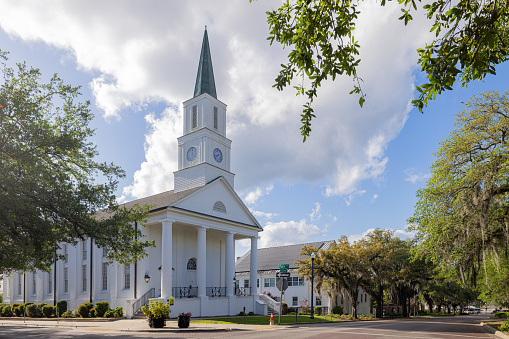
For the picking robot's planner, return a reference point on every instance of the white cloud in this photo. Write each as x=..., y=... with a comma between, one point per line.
x=402, y=234
x=315, y=214
x=413, y=176
x=265, y=215
x=155, y=174
x=139, y=54
x=349, y=199
x=375, y=196
x=287, y=232
x=253, y=196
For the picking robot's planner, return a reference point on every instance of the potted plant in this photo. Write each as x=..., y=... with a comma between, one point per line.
x=157, y=312
x=183, y=320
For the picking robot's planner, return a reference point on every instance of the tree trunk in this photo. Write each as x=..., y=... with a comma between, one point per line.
x=380, y=302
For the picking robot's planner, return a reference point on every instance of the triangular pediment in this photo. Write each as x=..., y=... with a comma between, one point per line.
x=218, y=199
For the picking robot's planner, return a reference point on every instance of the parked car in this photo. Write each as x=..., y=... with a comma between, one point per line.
x=473, y=310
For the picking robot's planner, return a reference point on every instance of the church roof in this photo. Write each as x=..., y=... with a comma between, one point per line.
x=205, y=78
x=159, y=201
x=269, y=258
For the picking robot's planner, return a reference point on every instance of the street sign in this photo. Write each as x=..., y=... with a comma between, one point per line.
x=282, y=274
x=282, y=284
x=284, y=267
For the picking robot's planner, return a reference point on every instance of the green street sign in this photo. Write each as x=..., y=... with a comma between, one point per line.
x=284, y=267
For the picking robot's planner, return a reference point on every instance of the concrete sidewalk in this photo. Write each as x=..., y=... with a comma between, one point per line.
x=129, y=325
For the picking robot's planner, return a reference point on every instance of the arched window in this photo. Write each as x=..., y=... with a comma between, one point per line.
x=191, y=264
x=219, y=206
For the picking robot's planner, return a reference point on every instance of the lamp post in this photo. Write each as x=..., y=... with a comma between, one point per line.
x=234, y=285
x=312, y=281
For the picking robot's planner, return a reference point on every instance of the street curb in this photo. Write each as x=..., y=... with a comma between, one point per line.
x=93, y=320
x=189, y=330
x=494, y=331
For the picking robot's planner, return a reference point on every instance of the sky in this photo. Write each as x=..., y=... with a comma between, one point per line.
x=136, y=62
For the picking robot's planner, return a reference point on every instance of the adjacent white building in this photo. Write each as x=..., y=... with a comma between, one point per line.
x=195, y=227
x=298, y=293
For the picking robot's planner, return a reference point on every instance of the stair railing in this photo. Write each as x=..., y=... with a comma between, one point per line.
x=143, y=300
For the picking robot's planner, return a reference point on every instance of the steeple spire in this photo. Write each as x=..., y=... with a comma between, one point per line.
x=205, y=77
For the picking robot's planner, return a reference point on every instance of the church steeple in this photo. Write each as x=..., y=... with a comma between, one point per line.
x=205, y=78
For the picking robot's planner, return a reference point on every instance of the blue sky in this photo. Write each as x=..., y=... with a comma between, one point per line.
x=137, y=60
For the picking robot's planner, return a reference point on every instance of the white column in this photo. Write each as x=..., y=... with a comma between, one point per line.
x=229, y=264
x=166, y=259
x=201, y=262
x=253, y=265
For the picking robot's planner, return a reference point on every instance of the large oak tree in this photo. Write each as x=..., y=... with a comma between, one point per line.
x=51, y=188
x=462, y=214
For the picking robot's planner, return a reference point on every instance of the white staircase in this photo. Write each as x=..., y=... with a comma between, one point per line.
x=272, y=305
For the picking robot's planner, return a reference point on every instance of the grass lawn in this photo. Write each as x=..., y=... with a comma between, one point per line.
x=264, y=320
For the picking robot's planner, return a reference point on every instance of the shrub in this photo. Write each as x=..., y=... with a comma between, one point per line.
x=2, y=305
x=318, y=310
x=39, y=309
x=241, y=313
x=251, y=313
x=505, y=326
x=284, y=308
x=502, y=315
x=62, y=306
x=109, y=314
x=101, y=307
x=83, y=311
x=337, y=310
x=1, y=297
x=119, y=312
x=48, y=311
x=7, y=311
x=31, y=310
x=89, y=306
x=22, y=307
x=17, y=312
x=91, y=314
x=67, y=314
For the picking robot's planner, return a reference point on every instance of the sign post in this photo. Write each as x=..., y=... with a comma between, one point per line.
x=282, y=285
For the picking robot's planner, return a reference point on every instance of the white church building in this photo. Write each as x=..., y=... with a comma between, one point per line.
x=195, y=227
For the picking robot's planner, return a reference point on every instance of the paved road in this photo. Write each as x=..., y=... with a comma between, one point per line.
x=440, y=328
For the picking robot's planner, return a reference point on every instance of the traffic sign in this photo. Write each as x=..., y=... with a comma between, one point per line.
x=282, y=274
x=282, y=284
x=284, y=267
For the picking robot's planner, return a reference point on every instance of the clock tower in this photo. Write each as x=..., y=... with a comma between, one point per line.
x=203, y=149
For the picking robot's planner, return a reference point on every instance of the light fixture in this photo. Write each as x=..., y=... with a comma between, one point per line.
x=147, y=277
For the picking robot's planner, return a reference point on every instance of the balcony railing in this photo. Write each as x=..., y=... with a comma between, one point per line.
x=216, y=291
x=243, y=291
x=185, y=292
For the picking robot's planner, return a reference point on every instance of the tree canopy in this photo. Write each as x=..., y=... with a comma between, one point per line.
x=462, y=215
x=379, y=263
x=51, y=188
x=471, y=38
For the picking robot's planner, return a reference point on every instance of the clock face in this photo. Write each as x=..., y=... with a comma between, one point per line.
x=218, y=155
x=191, y=154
